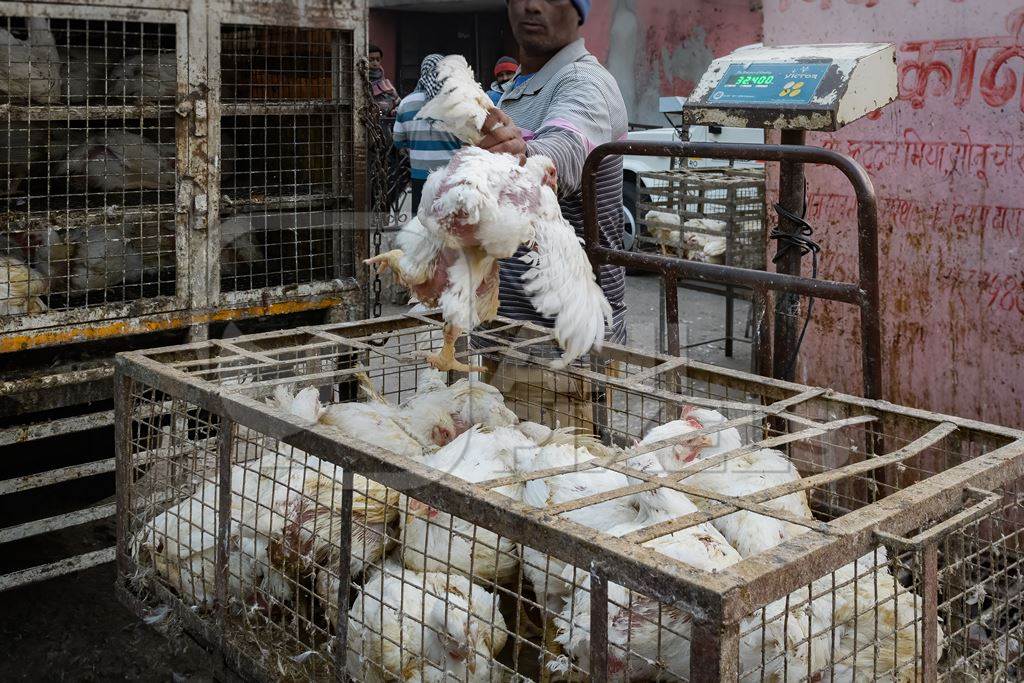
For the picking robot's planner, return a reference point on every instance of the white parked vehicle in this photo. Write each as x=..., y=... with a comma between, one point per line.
x=634, y=166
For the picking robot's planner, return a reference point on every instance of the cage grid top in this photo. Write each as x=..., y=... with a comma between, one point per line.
x=899, y=468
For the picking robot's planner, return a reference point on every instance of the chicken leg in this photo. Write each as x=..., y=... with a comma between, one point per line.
x=389, y=260
x=445, y=360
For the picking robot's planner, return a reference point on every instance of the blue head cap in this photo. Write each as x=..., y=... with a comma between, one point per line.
x=583, y=7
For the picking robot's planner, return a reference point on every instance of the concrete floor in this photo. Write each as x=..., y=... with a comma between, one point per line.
x=701, y=317
x=73, y=628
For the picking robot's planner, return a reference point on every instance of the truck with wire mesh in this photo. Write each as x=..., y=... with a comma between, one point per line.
x=318, y=503
x=169, y=172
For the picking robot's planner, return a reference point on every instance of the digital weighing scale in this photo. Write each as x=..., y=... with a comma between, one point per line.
x=794, y=89
x=799, y=87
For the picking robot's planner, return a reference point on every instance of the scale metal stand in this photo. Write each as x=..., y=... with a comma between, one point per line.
x=795, y=89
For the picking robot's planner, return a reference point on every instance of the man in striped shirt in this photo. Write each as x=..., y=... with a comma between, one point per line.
x=429, y=147
x=562, y=104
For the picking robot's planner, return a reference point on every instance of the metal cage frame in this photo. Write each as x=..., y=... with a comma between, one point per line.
x=198, y=302
x=930, y=510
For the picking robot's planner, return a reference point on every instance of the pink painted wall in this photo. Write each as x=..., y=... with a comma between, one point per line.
x=948, y=164
x=655, y=48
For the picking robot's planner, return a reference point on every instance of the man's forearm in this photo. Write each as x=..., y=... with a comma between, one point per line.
x=567, y=151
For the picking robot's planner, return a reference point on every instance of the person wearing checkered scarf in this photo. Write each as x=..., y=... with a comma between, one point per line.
x=428, y=146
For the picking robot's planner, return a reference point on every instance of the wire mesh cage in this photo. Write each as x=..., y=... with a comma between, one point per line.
x=88, y=163
x=320, y=503
x=289, y=148
x=123, y=152
x=713, y=215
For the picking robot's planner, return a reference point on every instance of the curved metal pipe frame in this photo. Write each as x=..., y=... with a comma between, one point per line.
x=864, y=294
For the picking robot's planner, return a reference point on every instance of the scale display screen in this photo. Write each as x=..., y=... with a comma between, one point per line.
x=752, y=79
x=770, y=83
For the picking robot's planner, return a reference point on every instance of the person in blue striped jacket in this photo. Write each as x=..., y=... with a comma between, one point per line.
x=429, y=147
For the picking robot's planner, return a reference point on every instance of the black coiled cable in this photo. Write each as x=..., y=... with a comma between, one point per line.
x=801, y=241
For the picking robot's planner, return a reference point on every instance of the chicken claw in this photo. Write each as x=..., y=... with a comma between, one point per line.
x=445, y=360
x=389, y=260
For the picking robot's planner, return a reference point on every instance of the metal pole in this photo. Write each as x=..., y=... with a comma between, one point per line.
x=930, y=625
x=598, y=626
x=761, y=361
x=344, y=577
x=225, y=447
x=714, y=651
x=671, y=286
x=792, y=182
x=123, y=461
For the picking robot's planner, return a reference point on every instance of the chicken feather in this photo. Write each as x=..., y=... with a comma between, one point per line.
x=646, y=637
x=20, y=288
x=874, y=622
x=410, y=626
x=462, y=105
x=561, y=284
x=31, y=69
x=433, y=540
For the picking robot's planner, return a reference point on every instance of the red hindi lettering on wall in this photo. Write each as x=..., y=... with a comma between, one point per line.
x=933, y=68
x=784, y=5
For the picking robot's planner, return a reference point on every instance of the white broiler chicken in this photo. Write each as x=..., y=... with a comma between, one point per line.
x=97, y=257
x=423, y=627
x=20, y=288
x=116, y=161
x=665, y=228
x=181, y=542
x=708, y=245
x=751, y=534
x=748, y=532
x=311, y=536
x=560, y=450
x=148, y=75
x=648, y=640
x=84, y=74
x=479, y=209
x=433, y=540
x=285, y=521
x=237, y=245
x=30, y=69
x=469, y=401
x=398, y=429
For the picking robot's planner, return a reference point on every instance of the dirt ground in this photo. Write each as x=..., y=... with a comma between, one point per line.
x=74, y=629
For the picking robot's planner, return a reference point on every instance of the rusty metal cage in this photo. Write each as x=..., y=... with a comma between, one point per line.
x=713, y=215
x=169, y=171
x=710, y=215
x=304, y=545
x=145, y=175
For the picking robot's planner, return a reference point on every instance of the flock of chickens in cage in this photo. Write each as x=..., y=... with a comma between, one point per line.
x=697, y=239
x=428, y=587
x=112, y=165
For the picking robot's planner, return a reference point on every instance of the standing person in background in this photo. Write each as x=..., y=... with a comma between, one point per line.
x=562, y=105
x=384, y=93
x=504, y=71
x=429, y=147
